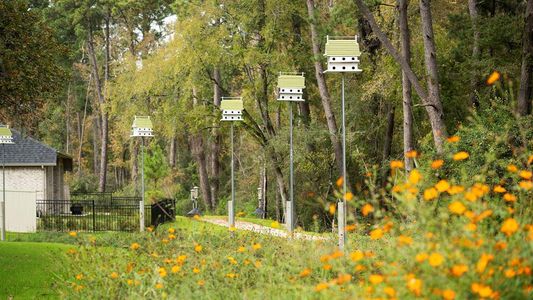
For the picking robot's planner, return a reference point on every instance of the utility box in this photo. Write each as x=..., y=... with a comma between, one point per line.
x=291, y=87
x=343, y=54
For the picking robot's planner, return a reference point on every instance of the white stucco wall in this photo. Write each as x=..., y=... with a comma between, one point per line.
x=25, y=179
x=21, y=211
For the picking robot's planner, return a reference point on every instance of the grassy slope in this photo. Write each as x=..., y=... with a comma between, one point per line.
x=28, y=269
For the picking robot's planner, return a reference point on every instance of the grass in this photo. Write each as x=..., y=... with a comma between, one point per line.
x=30, y=270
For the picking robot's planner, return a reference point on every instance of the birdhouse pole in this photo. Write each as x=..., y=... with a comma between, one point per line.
x=142, y=127
x=290, y=88
x=232, y=108
x=6, y=137
x=343, y=57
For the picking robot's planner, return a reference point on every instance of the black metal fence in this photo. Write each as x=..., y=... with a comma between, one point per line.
x=100, y=214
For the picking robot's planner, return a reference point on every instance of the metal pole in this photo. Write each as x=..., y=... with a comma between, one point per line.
x=141, y=203
x=290, y=207
x=342, y=203
x=3, y=233
x=231, y=205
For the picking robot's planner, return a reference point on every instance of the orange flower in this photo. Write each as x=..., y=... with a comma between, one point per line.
x=509, y=197
x=435, y=259
x=367, y=208
x=256, y=246
x=135, y=246
x=509, y=226
x=404, y=240
x=455, y=189
x=415, y=286
x=332, y=208
x=430, y=194
x=340, y=181
x=327, y=267
x=512, y=168
x=462, y=155
x=411, y=154
x=442, y=186
x=113, y=275
x=525, y=174
x=389, y=291
x=396, y=164
x=459, y=270
x=198, y=248
x=159, y=285
x=162, y=272
x=196, y=270
x=457, y=207
x=437, y=164
x=420, y=257
x=483, y=262
x=73, y=234
x=414, y=177
x=175, y=269
x=375, y=279
x=348, y=196
x=321, y=286
x=350, y=227
x=357, y=255
x=305, y=272
x=448, y=294
x=526, y=184
x=499, y=189
x=171, y=230
x=376, y=234
x=454, y=139
x=201, y=282
x=495, y=76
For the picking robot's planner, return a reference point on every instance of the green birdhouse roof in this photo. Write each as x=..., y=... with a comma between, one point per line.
x=291, y=81
x=5, y=131
x=142, y=122
x=234, y=104
x=347, y=47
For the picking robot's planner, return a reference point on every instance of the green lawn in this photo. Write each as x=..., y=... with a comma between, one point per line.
x=28, y=270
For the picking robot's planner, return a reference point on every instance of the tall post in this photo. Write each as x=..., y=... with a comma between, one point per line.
x=290, y=206
x=231, y=205
x=141, y=203
x=3, y=232
x=342, y=203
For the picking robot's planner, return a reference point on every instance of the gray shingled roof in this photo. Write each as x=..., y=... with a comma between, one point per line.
x=27, y=151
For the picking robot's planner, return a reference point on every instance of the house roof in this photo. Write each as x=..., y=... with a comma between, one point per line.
x=142, y=122
x=344, y=47
x=27, y=151
x=291, y=81
x=231, y=104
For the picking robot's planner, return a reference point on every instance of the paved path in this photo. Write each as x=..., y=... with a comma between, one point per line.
x=264, y=229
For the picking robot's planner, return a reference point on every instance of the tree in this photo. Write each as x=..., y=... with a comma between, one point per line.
x=526, y=73
x=472, y=9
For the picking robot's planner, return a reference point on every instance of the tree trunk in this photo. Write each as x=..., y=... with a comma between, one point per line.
x=472, y=9
x=324, y=93
x=96, y=136
x=81, y=127
x=434, y=114
x=216, y=140
x=430, y=58
x=405, y=43
x=387, y=143
x=526, y=75
x=172, y=153
x=67, y=120
x=197, y=150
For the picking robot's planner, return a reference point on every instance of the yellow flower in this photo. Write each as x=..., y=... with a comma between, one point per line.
x=404, y=240
x=196, y=217
x=457, y=207
x=350, y=227
x=411, y=154
x=162, y=272
x=196, y=270
x=357, y=255
x=437, y=164
x=509, y=197
x=459, y=270
x=159, y=285
x=483, y=262
x=256, y=246
x=367, y=208
x=525, y=174
x=321, y=286
x=509, y=226
x=471, y=226
x=396, y=164
x=232, y=228
x=241, y=214
x=430, y=194
x=442, y=186
x=494, y=76
x=241, y=249
x=305, y=272
x=275, y=224
x=453, y=139
x=113, y=275
x=415, y=286
x=462, y=155
x=509, y=273
x=455, y=189
x=376, y=234
x=175, y=269
x=499, y=189
x=332, y=208
x=79, y=276
x=150, y=229
x=414, y=177
x=258, y=264
x=526, y=184
x=389, y=291
x=512, y=168
x=327, y=267
x=171, y=230
x=485, y=291
x=135, y=246
x=435, y=259
x=448, y=294
x=375, y=279
x=340, y=181
x=198, y=248
x=73, y=234
x=420, y=257
x=201, y=282
x=171, y=236
x=348, y=196
x=232, y=275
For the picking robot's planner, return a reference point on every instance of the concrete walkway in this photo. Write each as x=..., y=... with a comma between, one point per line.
x=264, y=229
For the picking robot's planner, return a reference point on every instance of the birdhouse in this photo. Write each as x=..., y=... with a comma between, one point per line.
x=142, y=126
x=231, y=108
x=6, y=137
x=343, y=54
x=291, y=87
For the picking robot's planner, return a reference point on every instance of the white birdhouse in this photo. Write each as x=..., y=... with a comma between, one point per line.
x=142, y=126
x=6, y=136
x=291, y=87
x=343, y=54
x=231, y=108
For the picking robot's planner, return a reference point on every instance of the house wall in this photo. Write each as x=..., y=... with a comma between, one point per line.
x=25, y=179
